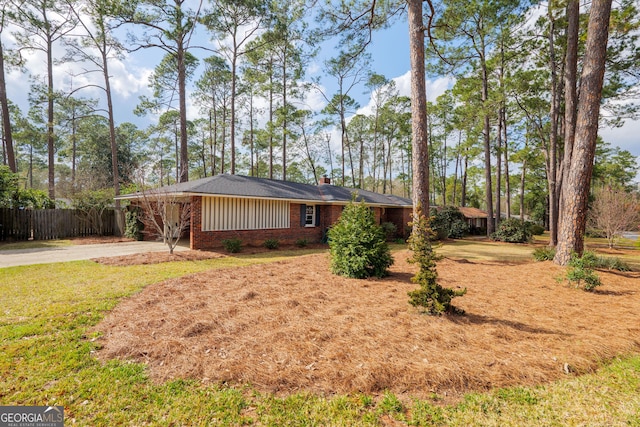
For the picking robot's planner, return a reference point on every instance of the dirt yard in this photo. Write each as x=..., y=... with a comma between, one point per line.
x=293, y=326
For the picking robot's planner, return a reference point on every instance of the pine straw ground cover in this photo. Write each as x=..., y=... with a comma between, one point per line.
x=291, y=326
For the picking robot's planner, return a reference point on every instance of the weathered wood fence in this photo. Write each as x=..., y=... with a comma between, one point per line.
x=48, y=224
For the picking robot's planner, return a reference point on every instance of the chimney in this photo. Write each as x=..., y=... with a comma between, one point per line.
x=324, y=180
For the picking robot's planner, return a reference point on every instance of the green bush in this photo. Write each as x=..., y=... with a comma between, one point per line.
x=233, y=245
x=132, y=225
x=581, y=272
x=535, y=229
x=271, y=244
x=512, y=230
x=449, y=223
x=301, y=243
x=389, y=229
x=13, y=196
x=591, y=260
x=616, y=264
x=433, y=298
x=544, y=253
x=357, y=245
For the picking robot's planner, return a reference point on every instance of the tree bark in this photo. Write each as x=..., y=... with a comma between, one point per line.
x=182, y=94
x=6, y=118
x=420, y=159
x=570, y=92
x=575, y=193
x=552, y=161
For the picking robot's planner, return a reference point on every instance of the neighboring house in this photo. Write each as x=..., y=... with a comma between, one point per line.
x=476, y=218
x=256, y=209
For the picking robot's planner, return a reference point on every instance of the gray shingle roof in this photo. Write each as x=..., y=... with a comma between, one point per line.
x=244, y=186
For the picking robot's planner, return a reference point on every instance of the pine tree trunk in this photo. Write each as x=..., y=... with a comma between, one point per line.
x=6, y=118
x=420, y=159
x=575, y=193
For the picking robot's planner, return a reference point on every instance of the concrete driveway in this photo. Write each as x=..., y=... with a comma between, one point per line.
x=11, y=258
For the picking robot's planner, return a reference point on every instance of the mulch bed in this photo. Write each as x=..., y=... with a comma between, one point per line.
x=292, y=326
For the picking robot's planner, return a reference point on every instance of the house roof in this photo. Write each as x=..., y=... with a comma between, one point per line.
x=469, y=212
x=243, y=186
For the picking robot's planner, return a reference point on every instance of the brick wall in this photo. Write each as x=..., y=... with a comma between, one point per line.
x=329, y=214
x=213, y=239
x=401, y=218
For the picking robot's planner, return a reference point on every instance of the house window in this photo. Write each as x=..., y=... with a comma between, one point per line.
x=310, y=216
x=226, y=214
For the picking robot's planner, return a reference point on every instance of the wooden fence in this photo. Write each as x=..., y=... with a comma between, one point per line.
x=48, y=224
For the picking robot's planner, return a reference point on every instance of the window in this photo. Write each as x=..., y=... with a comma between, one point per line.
x=223, y=214
x=310, y=216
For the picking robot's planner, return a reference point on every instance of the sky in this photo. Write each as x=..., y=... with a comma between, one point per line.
x=389, y=55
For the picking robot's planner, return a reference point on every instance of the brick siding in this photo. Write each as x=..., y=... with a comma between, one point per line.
x=329, y=214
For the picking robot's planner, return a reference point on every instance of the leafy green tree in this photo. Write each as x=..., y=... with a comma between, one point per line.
x=44, y=23
x=239, y=20
x=169, y=26
x=213, y=95
x=95, y=17
x=12, y=196
x=358, y=246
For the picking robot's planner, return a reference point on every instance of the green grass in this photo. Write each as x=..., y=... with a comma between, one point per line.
x=47, y=312
x=38, y=244
x=486, y=251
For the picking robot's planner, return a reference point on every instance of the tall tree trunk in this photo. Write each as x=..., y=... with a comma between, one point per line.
x=232, y=128
x=552, y=161
x=285, y=115
x=420, y=159
x=182, y=94
x=576, y=191
x=486, y=135
x=507, y=184
x=112, y=129
x=499, y=170
x=463, y=190
x=570, y=91
x=50, y=118
x=523, y=174
x=6, y=117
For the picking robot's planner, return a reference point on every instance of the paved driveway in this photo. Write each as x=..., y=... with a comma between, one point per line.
x=10, y=258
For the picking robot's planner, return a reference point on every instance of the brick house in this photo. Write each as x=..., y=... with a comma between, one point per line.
x=256, y=209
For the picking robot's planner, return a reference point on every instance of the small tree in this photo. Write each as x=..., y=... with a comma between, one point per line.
x=431, y=296
x=164, y=214
x=358, y=246
x=91, y=205
x=613, y=211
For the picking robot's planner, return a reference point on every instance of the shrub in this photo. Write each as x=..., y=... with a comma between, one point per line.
x=535, y=229
x=271, y=244
x=389, y=229
x=449, y=222
x=301, y=243
x=544, y=253
x=233, y=245
x=357, y=245
x=581, y=272
x=512, y=230
x=616, y=264
x=132, y=225
x=433, y=298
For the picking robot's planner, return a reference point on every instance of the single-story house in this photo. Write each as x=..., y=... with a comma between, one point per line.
x=476, y=218
x=256, y=209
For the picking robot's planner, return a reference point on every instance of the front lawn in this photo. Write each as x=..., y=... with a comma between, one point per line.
x=48, y=349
